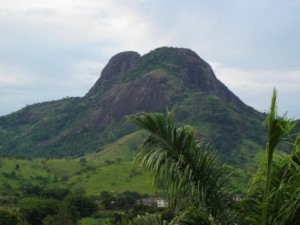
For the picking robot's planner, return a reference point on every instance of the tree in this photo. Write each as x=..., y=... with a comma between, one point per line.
x=167, y=215
x=34, y=210
x=196, y=182
x=8, y=217
x=83, y=205
x=148, y=219
x=64, y=215
x=188, y=169
x=55, y=193
x=275, y=188
x=32, y=189
x=82, y=161
x=108, y=200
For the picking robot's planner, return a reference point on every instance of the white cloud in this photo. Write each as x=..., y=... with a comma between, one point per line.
x=255, y=87
x=80, y=20
x=84, y=76
x=11, y=76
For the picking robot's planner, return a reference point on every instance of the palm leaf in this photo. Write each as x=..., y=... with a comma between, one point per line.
x=188, y=169
x=278, y=129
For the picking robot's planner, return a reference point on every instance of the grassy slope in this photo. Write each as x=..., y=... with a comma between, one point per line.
x=110, y=169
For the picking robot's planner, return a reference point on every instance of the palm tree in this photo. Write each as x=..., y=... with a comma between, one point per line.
x=189, y=170
x=274, y=191
x=196, y=182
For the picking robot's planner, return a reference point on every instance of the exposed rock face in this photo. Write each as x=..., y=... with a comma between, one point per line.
x=144, y=93
x=200, y=76
x=117, y=66
x=140, y=95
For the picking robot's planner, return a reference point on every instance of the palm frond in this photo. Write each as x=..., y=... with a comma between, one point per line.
x=278, y=129
x=189, y=170
x=148, y=219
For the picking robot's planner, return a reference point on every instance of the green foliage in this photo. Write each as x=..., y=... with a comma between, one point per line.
x=227, y=128
x=83, y=205
x=82, y=161
x=55, y=193
x=188, y=169
x=283, y=199
x=30, y=189
x=161, y=58
x=54, y=206
x=8, y=217
x=94, y=176
x=278, y=128
x=58, y=219
x=274, y=190
x=90, y=221
x=34, y=210
x=148, y=219
x=168, y=215
x=124, y=200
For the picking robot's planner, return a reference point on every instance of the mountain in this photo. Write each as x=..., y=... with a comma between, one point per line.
x=130, y=83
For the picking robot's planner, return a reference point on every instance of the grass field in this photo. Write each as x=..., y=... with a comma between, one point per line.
x=110, y=169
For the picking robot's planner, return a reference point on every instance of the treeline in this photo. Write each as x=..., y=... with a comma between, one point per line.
x=123, y=201
x=39, y=206
x=128, y=203
x=36, y=205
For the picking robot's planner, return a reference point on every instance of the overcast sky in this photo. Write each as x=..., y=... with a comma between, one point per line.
x=50, y=49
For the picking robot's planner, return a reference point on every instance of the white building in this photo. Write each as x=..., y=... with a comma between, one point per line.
x=154, y=202
x=162, y=203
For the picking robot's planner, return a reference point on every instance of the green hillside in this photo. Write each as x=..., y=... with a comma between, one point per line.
x=108, y=170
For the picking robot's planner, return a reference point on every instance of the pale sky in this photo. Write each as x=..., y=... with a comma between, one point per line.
x=51, y=49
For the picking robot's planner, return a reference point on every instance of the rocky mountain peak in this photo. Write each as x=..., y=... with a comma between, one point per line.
x=194, y=72
x=117, y=66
